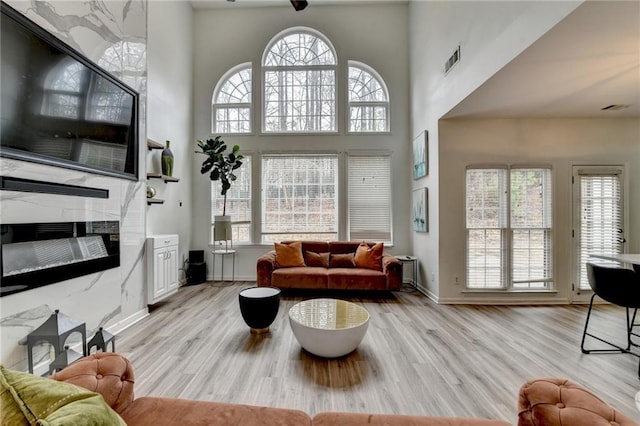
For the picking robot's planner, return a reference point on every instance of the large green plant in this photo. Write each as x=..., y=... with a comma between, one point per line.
x=219, y=164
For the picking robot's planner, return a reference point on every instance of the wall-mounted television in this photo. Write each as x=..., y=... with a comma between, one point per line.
x=60, y=108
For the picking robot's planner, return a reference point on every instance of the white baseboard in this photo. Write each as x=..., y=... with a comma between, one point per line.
x=501, y=301
x=128, y=322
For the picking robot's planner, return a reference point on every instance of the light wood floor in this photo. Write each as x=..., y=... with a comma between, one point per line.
x=417, y=358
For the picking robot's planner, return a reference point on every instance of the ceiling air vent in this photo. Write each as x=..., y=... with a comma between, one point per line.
x=615, y=107
x=453, y=59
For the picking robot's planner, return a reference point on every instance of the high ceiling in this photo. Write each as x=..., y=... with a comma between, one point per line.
x=588, y=61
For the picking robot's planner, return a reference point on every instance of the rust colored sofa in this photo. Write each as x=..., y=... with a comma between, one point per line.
x=336, y=278
x=545, y=402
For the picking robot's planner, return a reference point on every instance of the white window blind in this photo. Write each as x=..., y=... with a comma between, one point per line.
x=486, y=201
x=299, y=197
x=238, y=202
x=369, y=198
x=601, y=219
x=531, y=227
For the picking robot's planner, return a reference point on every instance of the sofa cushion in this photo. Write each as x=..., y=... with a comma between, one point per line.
x=340, y=247
x=29, y=399
x=369, y=257
x=184, y=412
x=300, y=277
x=289, y=255
x=356, y=279
x=342, y=261
x=320, y=260
x=315, y=246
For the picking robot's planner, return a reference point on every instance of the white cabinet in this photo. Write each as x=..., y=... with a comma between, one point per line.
x=162, y=267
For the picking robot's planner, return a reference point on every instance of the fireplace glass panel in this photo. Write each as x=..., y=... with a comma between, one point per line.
x=38, y=254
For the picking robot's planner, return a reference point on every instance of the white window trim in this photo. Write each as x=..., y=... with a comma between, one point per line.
x=348, y=103
x=221, y=81
x=265, y=68
x=508, y=288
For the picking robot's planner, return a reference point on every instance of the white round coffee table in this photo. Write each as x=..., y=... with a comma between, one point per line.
x=328, y=327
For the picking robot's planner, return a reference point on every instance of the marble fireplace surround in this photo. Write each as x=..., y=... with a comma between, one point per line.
x=113, y=298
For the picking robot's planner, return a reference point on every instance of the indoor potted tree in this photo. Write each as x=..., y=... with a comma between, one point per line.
x=220, y=166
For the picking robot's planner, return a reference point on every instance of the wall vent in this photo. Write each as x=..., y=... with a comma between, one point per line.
x=453, y=59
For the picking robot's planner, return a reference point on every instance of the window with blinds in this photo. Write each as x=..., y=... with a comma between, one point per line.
x=601, y=218
x=369, y=198
x=509, y=228
x=486, y=206
x=299, y=197
x=531, y=231
x=238, y=202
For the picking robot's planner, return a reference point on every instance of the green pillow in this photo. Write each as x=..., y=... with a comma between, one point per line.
x=29, y=399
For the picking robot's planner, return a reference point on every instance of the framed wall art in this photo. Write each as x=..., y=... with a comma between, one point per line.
x=420, y=206
x=421, y=155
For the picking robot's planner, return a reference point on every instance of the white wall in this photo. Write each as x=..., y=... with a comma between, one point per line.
x=376, y=35
x=557, y=142
x=169, y=113
x=114, y=297
x=490, y=35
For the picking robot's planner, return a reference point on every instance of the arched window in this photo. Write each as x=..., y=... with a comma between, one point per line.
x=127, y=60
x=63, y=90
x=231, y=102
x=368, y=99
x=299, y=68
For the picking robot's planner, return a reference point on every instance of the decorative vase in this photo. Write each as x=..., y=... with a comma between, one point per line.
x=167, y=161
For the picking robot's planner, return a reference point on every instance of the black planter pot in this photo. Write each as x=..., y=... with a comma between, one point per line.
x=259, y=307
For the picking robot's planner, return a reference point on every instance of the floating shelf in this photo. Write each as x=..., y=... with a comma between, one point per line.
x=154, y=201
x=163, y=177
x=151, y=144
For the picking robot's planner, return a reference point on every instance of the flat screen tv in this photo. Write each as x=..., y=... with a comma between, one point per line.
x=60, y=108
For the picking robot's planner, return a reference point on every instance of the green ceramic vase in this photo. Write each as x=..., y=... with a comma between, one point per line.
x=167, y=161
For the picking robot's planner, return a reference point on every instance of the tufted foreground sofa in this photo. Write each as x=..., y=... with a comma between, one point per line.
x=333, y=277
x=542, y=402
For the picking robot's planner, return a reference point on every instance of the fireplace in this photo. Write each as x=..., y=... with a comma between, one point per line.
x=38, y=254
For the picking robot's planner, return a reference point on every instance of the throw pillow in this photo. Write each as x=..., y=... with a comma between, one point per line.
x=289, y=255
x=369, y=257
x=26, y=398
x=320, y=260
x=342, y=261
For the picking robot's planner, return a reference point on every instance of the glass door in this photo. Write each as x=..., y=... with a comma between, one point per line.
x=598, y=219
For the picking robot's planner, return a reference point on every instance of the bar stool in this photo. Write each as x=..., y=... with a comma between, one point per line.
x=619, y=286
